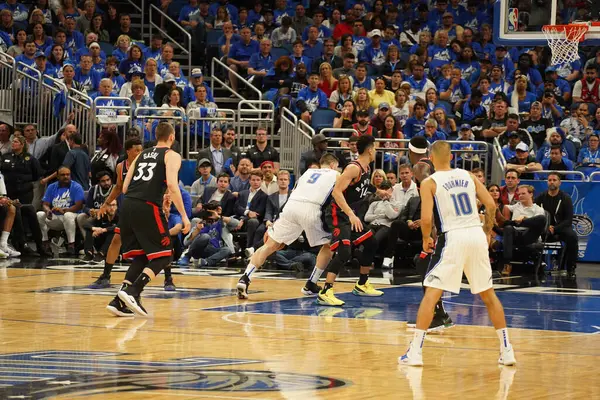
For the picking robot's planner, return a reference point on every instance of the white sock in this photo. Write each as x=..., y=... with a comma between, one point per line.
x=418, y=339
x=316, y=275
x=250, y=269
x=503, y=336
x=387, y=261
x=4, y=239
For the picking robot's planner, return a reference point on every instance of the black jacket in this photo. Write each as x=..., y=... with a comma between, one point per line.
x=560, y=209
x=227, y=202
x=273, y=206
x=412, y=210
x=272, y=81
x=258, y=204
x=20, y=171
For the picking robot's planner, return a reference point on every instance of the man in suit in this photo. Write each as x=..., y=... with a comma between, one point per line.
x=220, y=157
x=275, y=203
x=250, y=207
x=319, y=143
x=221, y=193
x=346, y=156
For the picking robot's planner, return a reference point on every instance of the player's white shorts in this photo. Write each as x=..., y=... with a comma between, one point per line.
x=457, y=251
x=297, y=217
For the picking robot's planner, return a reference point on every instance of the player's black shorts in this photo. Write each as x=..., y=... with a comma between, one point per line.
x=339, y=225
x=144, y=230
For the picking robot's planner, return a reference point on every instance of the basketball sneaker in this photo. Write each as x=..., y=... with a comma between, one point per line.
x=242, y=287
x=170, y=286
x=437, y=324
x=411, y=358
x=310, y=289
x=103, y=282
x=117, y=308
x=133, y=303
x=10, y=252
x=328, y=299
x=366, y=290
x=507, y=356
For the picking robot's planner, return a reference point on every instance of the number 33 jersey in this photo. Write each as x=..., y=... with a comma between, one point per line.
x=149, y=180
x=455, y=200
x=315, y=186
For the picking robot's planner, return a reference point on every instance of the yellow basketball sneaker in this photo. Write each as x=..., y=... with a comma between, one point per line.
x=366, y=290
x=329, y=299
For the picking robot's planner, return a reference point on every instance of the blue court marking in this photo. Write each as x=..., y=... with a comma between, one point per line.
x=523, y=310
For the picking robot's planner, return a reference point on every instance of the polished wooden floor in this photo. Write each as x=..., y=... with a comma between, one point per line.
x=302, y=356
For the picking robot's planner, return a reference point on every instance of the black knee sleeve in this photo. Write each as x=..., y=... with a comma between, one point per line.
x=158, y=264
x=343, y=253
x=369, y=249
x=137, y=267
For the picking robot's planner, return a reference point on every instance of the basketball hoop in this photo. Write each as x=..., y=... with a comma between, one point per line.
x=564, y=40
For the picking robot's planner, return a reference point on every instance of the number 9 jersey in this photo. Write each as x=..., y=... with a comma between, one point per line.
x=315, y=186
x=455, y=200
x=149, y=180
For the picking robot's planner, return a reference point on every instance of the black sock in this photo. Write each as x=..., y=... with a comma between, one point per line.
x=139, y=284
x=168, y=276
x=326, y=287
x=107, y=269
x=439, y=309
x=363, y=279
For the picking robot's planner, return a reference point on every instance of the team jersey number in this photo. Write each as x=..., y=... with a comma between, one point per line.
x=462, y=205
x=313, y=178
x=144, y=171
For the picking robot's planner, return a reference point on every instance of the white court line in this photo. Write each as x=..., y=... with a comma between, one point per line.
x=192, y=396
x=535, y=333
x=522, y=309
x=568, y=322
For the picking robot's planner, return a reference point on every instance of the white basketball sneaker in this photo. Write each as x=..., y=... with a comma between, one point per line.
x=411, y=358
x=507, y=356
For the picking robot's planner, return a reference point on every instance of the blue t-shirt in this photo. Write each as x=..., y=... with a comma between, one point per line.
x=260, y=62
x=413, y=126
x=324, y=33
x=242, y=52
x=63, y=197
x=90, y=81
x=313, y=100
x=313, y=52
x=462, y=91
x=440, y=56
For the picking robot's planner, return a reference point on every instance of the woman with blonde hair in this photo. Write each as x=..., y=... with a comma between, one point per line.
x=445, y=124
x=327, y=82
x=343, y=92
x=363, y=101
x=378, y=177
x=520, y=98
x=139, y=94
x=122, y=50
x=151, y=76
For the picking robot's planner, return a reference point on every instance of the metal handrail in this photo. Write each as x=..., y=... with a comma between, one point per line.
x=593, y=175
x=216, y=61
x=126, y=100
x=187, y=51
x=220, y=115
x=137, y=115
x=576, y=173
x=325, y=132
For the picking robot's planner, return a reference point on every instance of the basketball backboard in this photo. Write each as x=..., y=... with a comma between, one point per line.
x=520, y=22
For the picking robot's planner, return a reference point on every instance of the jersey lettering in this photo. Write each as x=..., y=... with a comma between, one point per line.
x=145, y=171
x=462, y=205
x=313, y=178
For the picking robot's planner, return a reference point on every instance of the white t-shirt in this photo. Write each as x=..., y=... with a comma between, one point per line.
x=519, y=210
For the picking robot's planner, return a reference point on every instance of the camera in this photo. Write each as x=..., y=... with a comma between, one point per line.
x=206, y=213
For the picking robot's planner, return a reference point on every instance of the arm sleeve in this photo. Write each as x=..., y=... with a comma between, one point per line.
x=370, y=215
x=69, y=160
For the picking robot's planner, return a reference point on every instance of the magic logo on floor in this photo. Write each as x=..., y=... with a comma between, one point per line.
x=151, y=292
x=46, y=374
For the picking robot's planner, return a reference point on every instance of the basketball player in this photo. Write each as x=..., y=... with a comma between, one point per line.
x=462, y=247
x=302, y=212
x=144, y=229
x=133, y=147
x=349, y=197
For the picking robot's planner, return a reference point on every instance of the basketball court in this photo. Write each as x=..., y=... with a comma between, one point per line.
x=201, y=342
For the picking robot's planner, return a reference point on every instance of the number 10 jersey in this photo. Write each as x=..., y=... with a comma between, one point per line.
x=149, y=180
x=455, y=200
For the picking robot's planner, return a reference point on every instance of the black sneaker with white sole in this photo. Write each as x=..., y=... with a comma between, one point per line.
x=311, y=289
x=242, y=287
x=133, y=303
x=103, y=282
x=437, y=324
x=117, y=308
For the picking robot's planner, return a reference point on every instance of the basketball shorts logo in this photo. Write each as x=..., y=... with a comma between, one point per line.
x=336, y=232
x=165, y=241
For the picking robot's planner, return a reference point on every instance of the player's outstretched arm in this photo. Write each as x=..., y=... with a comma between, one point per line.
x=173, y=163
x=428, y=188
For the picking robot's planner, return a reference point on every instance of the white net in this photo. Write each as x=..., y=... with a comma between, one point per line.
x=564, y=40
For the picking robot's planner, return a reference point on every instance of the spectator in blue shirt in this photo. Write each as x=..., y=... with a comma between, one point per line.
x=75, y=39
x=62, y=202
x=500, y=58
x=312, y=47
x=310, y=98
x=416, y=123
x=439, y=53
x=231, y=9
x=155, y=49
x=525, y=65
x=473, y=112
x=19, y=12
x=510, y=150
x=557, y=162
x=283, y=10
x=431, y=131
x=456, y=90
x=588, y=160
x=298, y=56
x=28, y=56
x=186, y=12
x=239, y=56
x=260, y=63
x=87, y=77
x=374, y=53
x=561, y=87
x=133, y=63
x=434, y=18
x=521, y=98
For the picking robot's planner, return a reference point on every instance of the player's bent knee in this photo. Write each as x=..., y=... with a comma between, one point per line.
x=369, y=249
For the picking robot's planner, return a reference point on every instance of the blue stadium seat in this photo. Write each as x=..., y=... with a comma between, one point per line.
x=322, y=118
x=212, y=36
x=277, y=52
x=106, y=48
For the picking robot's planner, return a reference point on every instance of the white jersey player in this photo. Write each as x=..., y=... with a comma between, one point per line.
x=450, y=197
x=302, y=213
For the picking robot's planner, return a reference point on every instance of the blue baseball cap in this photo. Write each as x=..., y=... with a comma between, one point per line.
x=465, y=127
x=551, y=68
